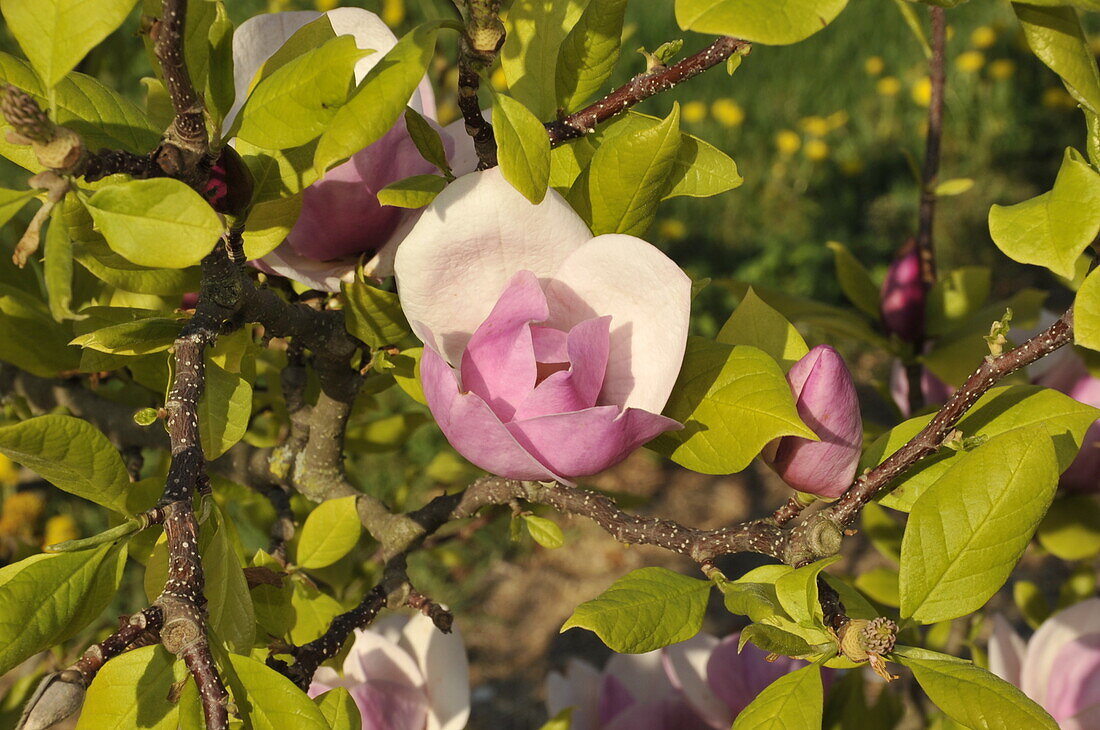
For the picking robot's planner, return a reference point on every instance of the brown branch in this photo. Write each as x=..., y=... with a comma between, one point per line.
x=185, y=144
x=642, y=87
x=477, y=51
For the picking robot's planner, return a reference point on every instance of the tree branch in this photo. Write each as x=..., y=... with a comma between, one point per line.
x=476, y=53
x=183, y=150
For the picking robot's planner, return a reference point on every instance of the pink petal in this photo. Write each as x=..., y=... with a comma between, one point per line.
x=465, y=249
x=1086, y=719
x=586, y=442
x=737, y=678
x=1040, y=659
x=649, y=300
x=614, y=698
x=642, y=674
x=1006, y=651
x=1075, y=684
x=551, y=345
x=576, y=388
x=1083, y=475
x=373, y=657
x=671, y=713
x=442, y=659
x=579, y=688
x=390, y=706
x=686, y=666
x=499, y=362
x=471, y=426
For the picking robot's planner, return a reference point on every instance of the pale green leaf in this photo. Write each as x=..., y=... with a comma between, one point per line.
x=268, y=224
x=956, y=295
x=384, y=434
x=774, y=640
x=1071, y=528
x=881, y=584
x=330, y=532
x=529, y=57
x=797, y=592
x=770, y=22
x=48, y=352
x=854, y=281
x=561, y=721
x=11, y=202
x=1086, y=313
x=589, y=52
x=229, y=604
x=792, y=702
x=270, y=701
x=966, y=532
x=427, y=140
x=543, y=531
x=407, y=373
x=523, y=147
x=954, y=186
x=1057, y=38
x=645, y=610
x=133, y=691
x=224, y=410
x=412, y=192
x=57, y=268
x=311, y=612
x=339, y=709
x=137, y=337
x=756, y=324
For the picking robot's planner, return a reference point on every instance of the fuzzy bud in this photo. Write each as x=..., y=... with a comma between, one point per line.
x=59, y=695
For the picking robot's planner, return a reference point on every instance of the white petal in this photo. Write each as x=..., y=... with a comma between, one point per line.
x=579, y=688
x=649, y=300
x=471, y=240
x=369, y=31
x=464, y=159
x=1006, y=651
x=321, y=275
x=442, y=659
x=1065, y=626
x=373, y=656
x=642, y=674
x=686, y=666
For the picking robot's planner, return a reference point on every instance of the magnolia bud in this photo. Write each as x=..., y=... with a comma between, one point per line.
x=59, y=695
x=229, y=188
x=826, y=400
x=904, y=295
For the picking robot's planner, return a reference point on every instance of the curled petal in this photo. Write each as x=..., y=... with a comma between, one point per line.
x=390, y=706
x=1080, y=619
x=576, y=388
x=1075, y=687
x=1006, y=651
x=321, y=275
x=670, y=713
x=686, y=666
x=442, y=659
x=374, y=657
x=738, y=677
x=472, y=427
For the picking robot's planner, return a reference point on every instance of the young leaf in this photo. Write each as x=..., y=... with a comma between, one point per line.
x=339, y=709
x=71, y=454
x=523, y=148
x=56, y=34
x=412, y=192
x=561, y=721
x=224, y=410
x=427, y=141
x=57, y=267
x=974, y=697
x=771, y=22
x=589, y=52
x=792, y=702
x=407, y=373
x=954, y=186
x=1053, y=229
x=47, y=353
x=229, y=604
x=270, y=701
x=545, y=532
x=373, y=315
x=133, y=690
x=136, y=337
x=644, y=610
x=11, y=202
x=1057, y=38
x=756, y=324
x=732, y=401
x=208, y=48
x=536, y=29
x=797, y=592
x=967, y=531
x=1086, y=313
x=330, y=532
x=161, y=223
x=956, y=296
x=854, y=281
x=774, y=640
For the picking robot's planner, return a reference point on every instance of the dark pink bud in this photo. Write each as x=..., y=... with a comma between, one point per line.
x=189, y=300
x=904, y=295
x=826, y=400
x=229, y=189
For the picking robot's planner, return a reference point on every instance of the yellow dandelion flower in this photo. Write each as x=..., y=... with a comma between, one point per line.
x=815, y=126
x=1002, y=68
x=60, y=528
x=970, y=61
x=1057, y=98
x=672, y=229
x=22, y=511
x=393, y=12
x=816, y=150
x=888, y=86
x=693, y=111
x=499, y=80
x=983, y=37
x=9, y=472
x=787, y=141
x=874, y=65
x=727, y=112
x=836, y=120
x=922, y=92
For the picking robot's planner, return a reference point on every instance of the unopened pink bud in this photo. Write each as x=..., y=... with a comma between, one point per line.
x=904, y=295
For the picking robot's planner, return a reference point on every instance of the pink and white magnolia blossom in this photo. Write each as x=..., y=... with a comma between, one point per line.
x=1073, y=378
x=701, y=683
x=1059, y=667
x=827, y=402
x=549, y=353
x=341, y=219
x=404, y=674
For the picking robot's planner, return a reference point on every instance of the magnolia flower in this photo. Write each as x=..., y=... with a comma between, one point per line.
x=700, y=683
x=1059, y=667
x=341, y=218
x=933, y=390
x=904, y=295
x=1074, y=379
x=549, y=354
x=404, y=674
x=826, y=400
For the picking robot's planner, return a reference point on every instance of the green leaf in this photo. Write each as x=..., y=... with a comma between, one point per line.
x=956, y=295
x=883, y=532
x=1031, y=602
x=161, y=223
x=758, y=601
x=56, y=34
x=974, y=697
x=373, y=315
x=967, y=531
x=1086, y=313
x=567, y=161
x=545, y=532
x=1053, y=229
x=137, y=337
x=999, y=411
x=628, y=176
x=797, y=592
x=330, y=532
x=407, y=373
x=854, y=281
x=561, y=721
x=792, y=702
x=881, y=584
x=46, y=599
x=100, y=115
x=1071, y=528
x=224, y=410
x=47, y=353
x=339, y=709
x=774, y=640
x=523, y=147
x=268, y=225
x=11, y=202
x=270, y=701
x=229, y=605
x=57, y=269
x=380, y=99
x=645, y=610
x=296, y=103
x=732, y=401
x=311, y=612
x=756, y=324
x=770, y=22
x=412, y=192
x=529, y=57
x=208, y=48
x=71, y=454
x=1057, y=38
x=954, y=186
x=589, y=52
x=427, y=141
x=387, y=433
x=134, y=690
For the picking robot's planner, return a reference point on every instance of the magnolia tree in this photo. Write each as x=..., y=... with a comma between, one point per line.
x=282, y=258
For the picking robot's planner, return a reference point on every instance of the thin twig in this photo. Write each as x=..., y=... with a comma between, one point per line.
x=185, y=143
x=477, y=51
